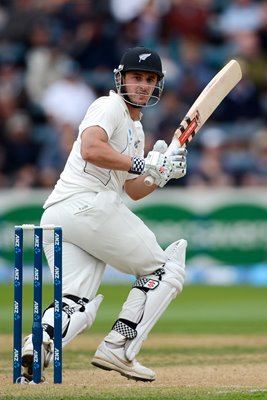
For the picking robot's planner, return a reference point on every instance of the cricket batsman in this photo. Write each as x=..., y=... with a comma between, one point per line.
x=106, y=160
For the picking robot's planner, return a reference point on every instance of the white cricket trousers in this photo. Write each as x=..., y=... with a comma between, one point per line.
x=98, y=229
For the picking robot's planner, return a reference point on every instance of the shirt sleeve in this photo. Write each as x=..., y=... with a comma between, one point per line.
x=104, y=113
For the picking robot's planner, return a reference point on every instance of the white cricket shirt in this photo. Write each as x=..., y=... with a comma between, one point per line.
x=124, y=135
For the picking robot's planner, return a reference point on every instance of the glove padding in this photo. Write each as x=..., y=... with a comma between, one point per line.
x=178, y=161
x=163, y=168
x=160, y=146
x=159, y=167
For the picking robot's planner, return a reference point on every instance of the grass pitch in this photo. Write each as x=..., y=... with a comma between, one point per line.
x=210, y=344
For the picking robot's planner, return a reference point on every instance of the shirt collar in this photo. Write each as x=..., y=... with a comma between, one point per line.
x=114, y=94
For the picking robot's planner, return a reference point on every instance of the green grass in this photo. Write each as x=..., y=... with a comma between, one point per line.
x=152, y=395
x=199, y=309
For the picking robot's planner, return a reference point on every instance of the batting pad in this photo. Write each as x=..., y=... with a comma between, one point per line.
x=159, y=299
x=80, y=321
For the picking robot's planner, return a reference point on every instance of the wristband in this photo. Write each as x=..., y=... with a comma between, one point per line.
x=138, y=165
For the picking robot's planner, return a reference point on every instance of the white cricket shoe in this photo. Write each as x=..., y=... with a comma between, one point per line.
x=27, y=357
x=115, y=360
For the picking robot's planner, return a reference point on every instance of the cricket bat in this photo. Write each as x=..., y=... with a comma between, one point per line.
x=208, y=100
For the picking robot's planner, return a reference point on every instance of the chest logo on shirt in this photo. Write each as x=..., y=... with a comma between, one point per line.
x=136, y=143
x=130, y=136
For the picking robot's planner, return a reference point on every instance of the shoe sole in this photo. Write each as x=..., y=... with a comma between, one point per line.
x=27, y=362
x=108, y=366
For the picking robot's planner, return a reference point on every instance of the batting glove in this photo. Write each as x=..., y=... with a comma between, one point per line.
x=179, y=163
x=159, y=167
x=138, y=164
x=160, y=146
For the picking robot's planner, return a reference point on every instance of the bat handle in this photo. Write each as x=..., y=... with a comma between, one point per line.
x=149, y=180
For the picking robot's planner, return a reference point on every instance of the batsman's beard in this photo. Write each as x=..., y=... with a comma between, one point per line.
x=126, y=97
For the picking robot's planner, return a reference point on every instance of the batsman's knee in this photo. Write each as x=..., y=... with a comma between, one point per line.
x=172, y=273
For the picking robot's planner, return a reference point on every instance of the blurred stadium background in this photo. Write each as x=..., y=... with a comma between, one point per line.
x=57, y=56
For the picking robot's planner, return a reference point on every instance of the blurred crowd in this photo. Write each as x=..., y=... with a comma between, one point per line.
x=57, y=56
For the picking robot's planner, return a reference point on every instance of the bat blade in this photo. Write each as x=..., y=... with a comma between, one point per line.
x=206, y=103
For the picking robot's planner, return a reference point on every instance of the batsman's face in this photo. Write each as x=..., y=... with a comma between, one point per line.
x=140, y=85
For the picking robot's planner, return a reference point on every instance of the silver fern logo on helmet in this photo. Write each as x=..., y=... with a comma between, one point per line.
x=143, y=57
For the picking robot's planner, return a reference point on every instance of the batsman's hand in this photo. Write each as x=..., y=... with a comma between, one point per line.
x=159, y=166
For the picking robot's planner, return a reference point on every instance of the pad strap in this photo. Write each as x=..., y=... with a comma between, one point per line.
x=125, y=328
x=145, y=284
x=78, y=300
x=49, y=329
x=68, y=310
